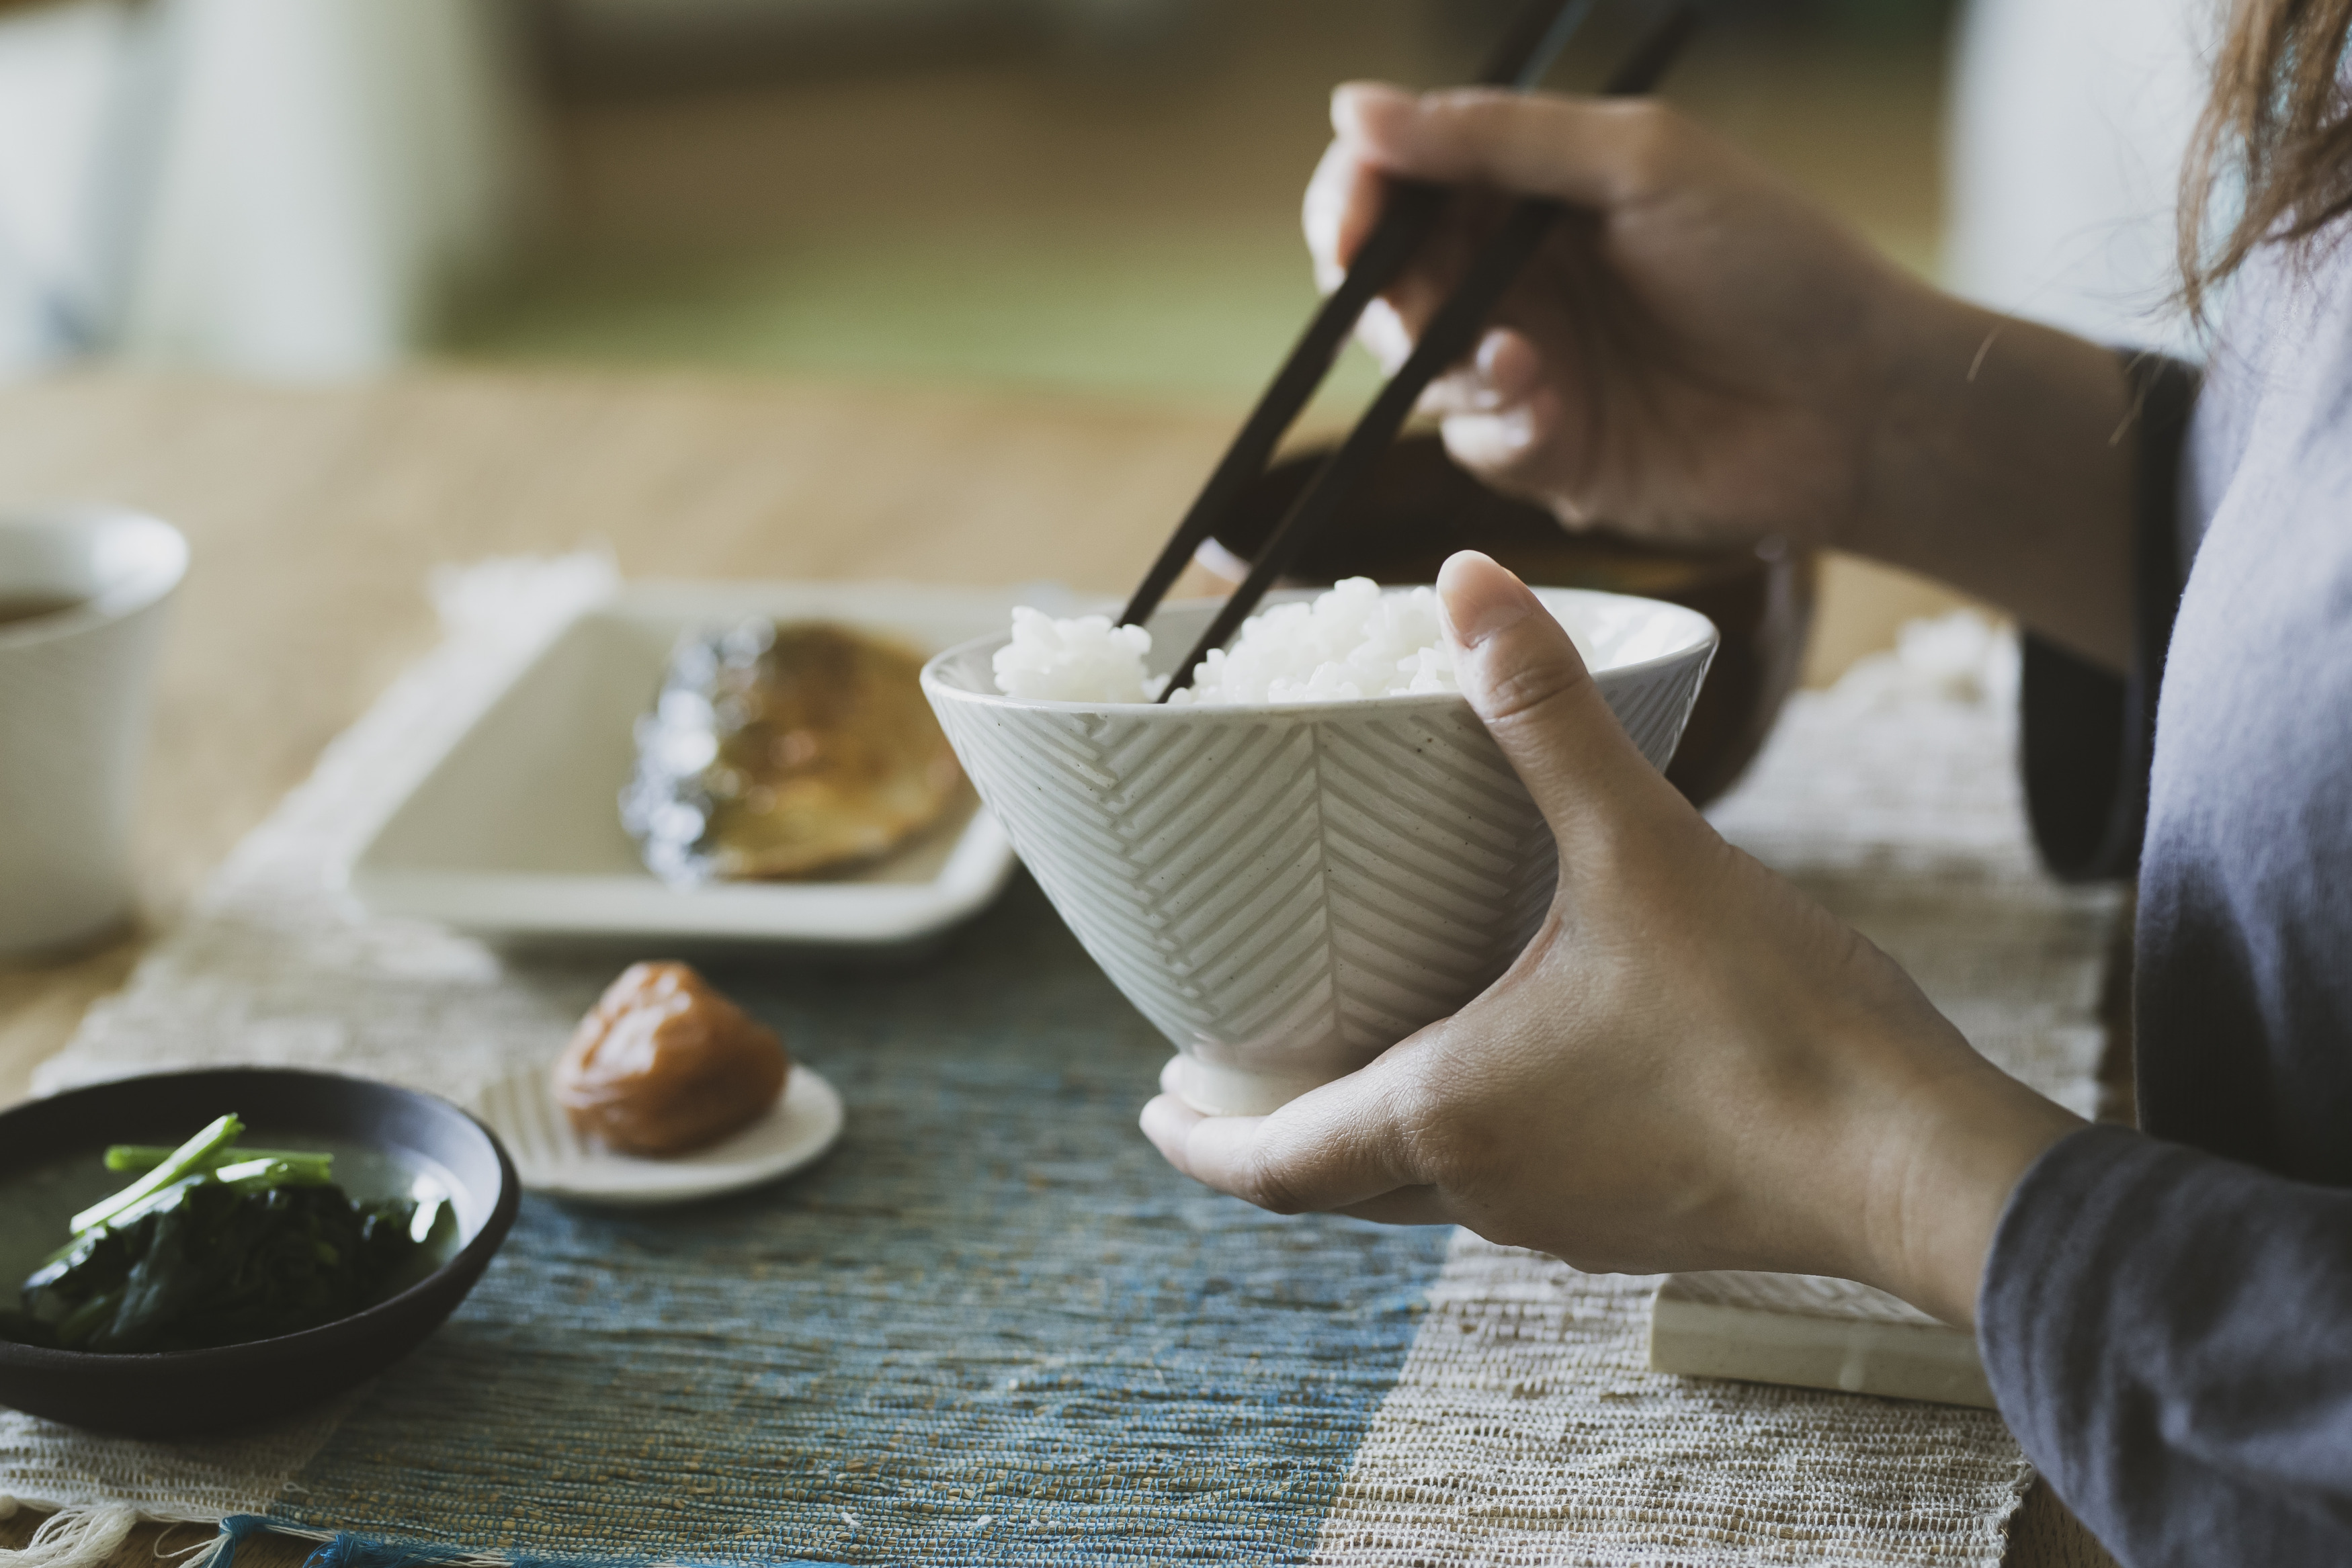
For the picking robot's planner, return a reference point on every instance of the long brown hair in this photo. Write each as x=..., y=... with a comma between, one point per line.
x=2279, y=117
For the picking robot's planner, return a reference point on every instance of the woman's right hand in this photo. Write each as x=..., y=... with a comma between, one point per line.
x=1700, y=355
x=1697, y=352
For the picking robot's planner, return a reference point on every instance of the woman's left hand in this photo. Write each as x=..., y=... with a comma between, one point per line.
x=1692, y=1065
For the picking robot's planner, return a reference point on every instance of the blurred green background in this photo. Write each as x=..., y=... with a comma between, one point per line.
x=1088, y=197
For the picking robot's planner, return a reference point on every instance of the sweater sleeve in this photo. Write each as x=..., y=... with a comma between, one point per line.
x=2169, y=1335
x=2085, y=733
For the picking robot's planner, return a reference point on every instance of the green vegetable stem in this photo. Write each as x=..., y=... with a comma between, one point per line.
x=179, y=1162
x=147, y=1156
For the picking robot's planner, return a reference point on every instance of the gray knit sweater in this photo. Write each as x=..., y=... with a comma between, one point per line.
x=2166, y=1315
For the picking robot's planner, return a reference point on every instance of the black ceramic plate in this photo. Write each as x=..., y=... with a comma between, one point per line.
x=383, y=1140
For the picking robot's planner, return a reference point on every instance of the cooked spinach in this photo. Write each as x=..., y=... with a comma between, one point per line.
x=217, y=1245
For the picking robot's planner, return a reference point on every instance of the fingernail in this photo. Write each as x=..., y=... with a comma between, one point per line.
x=1479, y=598
x=1320, y=217
x=1494, y=439
x=1491, y=344
x=1463, y=390
x=1161, y=1120
x=1353, y=105
x=1480, y=395
x=1385, y=334
x=1509, y=362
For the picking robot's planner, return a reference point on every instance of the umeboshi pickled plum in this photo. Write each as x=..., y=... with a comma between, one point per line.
x=665, y=1065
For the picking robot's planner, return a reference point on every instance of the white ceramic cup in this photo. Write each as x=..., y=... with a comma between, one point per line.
x=73, y=712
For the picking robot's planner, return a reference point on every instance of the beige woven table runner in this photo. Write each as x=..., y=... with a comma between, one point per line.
x=1524, y=1427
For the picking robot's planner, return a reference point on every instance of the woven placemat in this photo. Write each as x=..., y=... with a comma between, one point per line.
x=992, y=1327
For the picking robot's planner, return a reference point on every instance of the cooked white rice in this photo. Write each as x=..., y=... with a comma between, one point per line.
x=1084, y=660
x=1352, y=642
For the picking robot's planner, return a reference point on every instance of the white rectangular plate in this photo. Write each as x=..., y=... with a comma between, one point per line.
x=515, y=835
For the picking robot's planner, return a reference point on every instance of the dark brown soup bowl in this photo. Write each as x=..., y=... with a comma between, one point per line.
x=383, y=1139
x=1418, y=508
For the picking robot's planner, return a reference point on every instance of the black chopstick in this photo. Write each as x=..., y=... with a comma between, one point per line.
x=1538, y=33
x=1451, y=334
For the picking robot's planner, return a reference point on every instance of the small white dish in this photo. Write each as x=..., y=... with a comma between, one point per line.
x=555, y=1160
x=514, y=832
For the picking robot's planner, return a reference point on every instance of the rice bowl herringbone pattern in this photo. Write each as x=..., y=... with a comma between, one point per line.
x=1284, y=892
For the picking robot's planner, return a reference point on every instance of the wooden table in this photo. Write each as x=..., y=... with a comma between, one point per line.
x=317, y=518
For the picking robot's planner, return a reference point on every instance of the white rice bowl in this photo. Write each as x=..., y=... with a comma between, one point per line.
x=1352, y=642
x=1318, y=852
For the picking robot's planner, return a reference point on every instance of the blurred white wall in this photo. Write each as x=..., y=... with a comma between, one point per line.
x=328, y=170
x=279, y=188
x=59, y=79
x=2070, y=118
